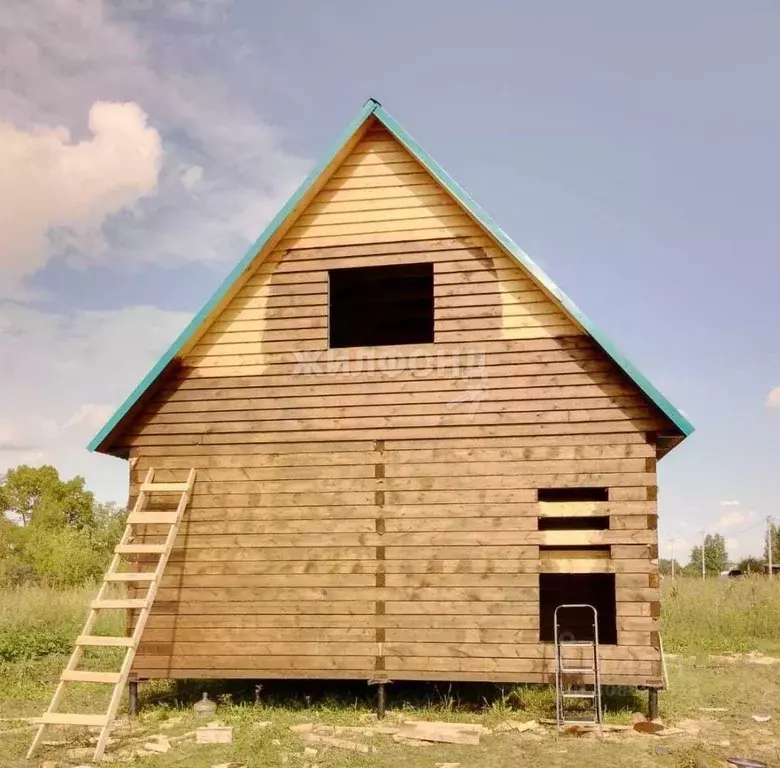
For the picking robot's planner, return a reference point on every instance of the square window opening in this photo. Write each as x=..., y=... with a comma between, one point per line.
x=596, y=589
x=381, y=306
x=573, y=494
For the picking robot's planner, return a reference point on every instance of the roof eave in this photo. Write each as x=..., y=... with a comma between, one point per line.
x=103, y=439
x=474, y=209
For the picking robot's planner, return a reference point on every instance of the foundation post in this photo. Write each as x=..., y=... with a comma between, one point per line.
x=652, y=703
x=132, y=690
x=380, y=701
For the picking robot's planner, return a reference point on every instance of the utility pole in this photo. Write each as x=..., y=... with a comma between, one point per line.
x=703, y=568
x=769, y=543
x=672, y=559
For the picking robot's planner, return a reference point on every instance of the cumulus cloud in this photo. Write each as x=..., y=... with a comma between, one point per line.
x=773, y=398
x=123, y=138
x=47, y=180
x=734, y=515
x=220, y=180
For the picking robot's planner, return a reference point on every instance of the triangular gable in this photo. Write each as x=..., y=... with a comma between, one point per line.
x=284, y=223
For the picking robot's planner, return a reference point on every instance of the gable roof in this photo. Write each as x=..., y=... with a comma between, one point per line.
x=101, y=441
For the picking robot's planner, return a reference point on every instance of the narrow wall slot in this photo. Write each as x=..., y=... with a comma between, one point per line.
x=595, y=523
x=573, y=494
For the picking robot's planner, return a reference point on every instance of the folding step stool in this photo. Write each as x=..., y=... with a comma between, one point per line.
x=563, y=691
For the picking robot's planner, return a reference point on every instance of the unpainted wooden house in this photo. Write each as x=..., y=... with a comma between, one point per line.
x=410, y=447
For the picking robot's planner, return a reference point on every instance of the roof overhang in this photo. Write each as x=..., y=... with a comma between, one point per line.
x=372, y=109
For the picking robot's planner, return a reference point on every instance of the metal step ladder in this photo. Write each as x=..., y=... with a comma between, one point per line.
x=587, y=691
x=137, y=517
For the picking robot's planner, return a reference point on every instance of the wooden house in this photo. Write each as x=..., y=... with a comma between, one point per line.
x=410, y=446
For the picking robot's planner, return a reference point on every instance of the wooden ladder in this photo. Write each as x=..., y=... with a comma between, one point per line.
x=138, y=516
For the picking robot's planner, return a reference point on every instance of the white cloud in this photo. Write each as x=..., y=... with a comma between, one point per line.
x=773, y=398
x=79, y=78
x=730, y=519
x=90, y=415
x=47, y=180
x=191, y=175
x=225, y=171
x=67, y=375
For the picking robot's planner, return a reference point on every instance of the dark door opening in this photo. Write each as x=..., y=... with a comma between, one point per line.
x=596, y=589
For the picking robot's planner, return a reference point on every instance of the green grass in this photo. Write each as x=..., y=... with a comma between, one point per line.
x=713, y=616
x=721, y=615
x=38, y=625
x=41, y=621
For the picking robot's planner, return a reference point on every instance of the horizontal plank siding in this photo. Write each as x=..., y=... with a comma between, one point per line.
x=373, y=513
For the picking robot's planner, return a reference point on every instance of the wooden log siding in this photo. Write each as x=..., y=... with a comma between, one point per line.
x=380, y=520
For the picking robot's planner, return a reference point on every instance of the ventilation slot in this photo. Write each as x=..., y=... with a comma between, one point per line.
x=596, y=523
x=573, y=494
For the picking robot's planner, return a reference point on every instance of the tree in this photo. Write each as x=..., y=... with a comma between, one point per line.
x=665, y=567
x=716, y=557
x=51, y=530
x=38, y=495
x=774, y=532
x=751, y=565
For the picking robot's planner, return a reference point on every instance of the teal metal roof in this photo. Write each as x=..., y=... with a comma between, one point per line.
x=373, y=107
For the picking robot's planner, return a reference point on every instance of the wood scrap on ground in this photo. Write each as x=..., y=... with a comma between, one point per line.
x=447, y=733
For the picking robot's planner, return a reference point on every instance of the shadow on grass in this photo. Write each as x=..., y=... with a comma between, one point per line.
x=534, y=700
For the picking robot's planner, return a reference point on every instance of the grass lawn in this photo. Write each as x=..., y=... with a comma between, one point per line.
x=701, y=620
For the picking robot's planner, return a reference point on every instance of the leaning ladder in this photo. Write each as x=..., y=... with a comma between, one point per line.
x=138, y=517
x=589, y=691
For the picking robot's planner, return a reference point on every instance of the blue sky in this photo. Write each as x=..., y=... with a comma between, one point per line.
x=631, y=149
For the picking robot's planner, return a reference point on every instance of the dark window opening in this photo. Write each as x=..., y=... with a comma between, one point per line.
x=573, y=494
x=595, y=523
x=379, y=306
x=596, y=589
x=595, y=549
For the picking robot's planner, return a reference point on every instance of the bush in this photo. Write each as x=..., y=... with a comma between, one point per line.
x=65, y=557
x=32, y=643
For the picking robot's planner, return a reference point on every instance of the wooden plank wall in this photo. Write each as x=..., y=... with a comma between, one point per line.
x=373, y=513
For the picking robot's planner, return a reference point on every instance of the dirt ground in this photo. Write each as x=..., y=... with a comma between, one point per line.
x=707, y=716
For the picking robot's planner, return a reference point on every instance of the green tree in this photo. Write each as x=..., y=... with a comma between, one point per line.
x=51, y=530
x=716, y=557
x=774, y=532
x=665, y=567
x=751, y=565
x=38, y=495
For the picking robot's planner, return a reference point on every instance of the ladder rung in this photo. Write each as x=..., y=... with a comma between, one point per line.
x=591, y=695
x=63, y=718
x=116, y=642
x=84, y=676
x=152, y=518
x=164, y=487
x=578, y=670
x=567, y=721
x=107, y=605
x=126, y=576
x=139, y=549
